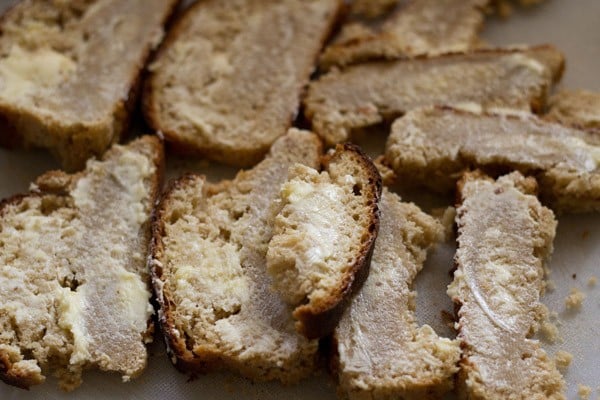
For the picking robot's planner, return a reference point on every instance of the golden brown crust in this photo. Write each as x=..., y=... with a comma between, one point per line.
x=319, y=319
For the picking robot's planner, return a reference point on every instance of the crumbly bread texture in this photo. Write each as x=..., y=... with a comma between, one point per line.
x=415, y=28
x=69, y=72
x=73, y=279
x=380, y=350
x=217, y=307
x=432, y=146
x=370, y=93
x=504, y=237
x=578, y=108
x=228, y=79
x=323, y=237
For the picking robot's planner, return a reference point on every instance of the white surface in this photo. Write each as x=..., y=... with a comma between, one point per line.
x=574, y=26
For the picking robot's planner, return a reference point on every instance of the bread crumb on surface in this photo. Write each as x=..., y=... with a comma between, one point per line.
x=446, y=216
x=575, y=299
x=563, y=360
x=584, y=391
x=549, y=332
x=550, y=285
x=593, y=281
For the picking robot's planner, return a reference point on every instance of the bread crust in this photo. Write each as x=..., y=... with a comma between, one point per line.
x=183, y=358
x=240, y=155
x=319, y=319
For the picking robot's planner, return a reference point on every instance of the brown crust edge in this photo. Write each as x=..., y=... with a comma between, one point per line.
x=243, y=158
x=319, y=320
x=182, y=358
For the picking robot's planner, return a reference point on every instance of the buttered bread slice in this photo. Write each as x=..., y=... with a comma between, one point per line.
x=579, y=108
x=414, y=28
x=432, y=146
x=380, y=350
x=217, y=307
x=227, y=82
x=74, y=289
x=69, y=72
x=370, y=93
x=323, y=237
x=504, y=237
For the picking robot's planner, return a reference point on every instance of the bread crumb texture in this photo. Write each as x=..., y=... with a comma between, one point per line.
x=584, y=391
x=593, y=281
x=574, y=299
x=563, y=360
x=73, y=280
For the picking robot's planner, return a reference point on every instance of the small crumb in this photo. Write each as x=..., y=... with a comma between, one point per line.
x=446, y=216
x=563, y=360
x=549, y=332
x=575, y=299
x=584, y=391
x=448, y=319
x=593, y=281
x=574, y=276
x=550, y=285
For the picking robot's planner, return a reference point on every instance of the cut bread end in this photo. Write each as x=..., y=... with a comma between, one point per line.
x=324, y=236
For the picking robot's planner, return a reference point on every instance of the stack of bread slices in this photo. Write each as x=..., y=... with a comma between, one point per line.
x=307, y=253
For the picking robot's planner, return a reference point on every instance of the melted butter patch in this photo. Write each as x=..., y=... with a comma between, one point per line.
x=71, y=310
x=133, y=300
x=314, y=203
x=531, y=63
x=23, y=71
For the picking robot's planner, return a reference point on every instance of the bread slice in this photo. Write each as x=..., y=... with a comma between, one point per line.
x=367, y=94
x=433, y=146
x=417, y=27
x=504, y=236
x=323, y=237
x=579, y=108
x=371, y=8
x=217, y=308
x=73, y=280
x=227, y=82
x=380, y=350
x=69, y=72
